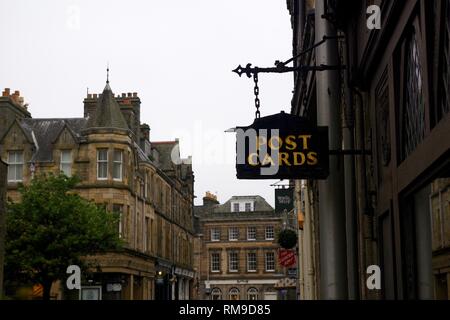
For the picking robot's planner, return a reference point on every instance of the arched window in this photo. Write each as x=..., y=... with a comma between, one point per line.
x=234, y=294
x=216, y=294
x=252, y=294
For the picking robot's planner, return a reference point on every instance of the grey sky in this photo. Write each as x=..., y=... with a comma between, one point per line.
x=178, y=55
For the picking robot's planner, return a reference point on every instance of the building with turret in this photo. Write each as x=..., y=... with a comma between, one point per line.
x=147, y=182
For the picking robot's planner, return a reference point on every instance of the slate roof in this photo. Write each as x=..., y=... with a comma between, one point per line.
x=46, y=131
x=164, y=149
x=261, y=205
x=107, y=112
x=141, y=154
x=223, y=211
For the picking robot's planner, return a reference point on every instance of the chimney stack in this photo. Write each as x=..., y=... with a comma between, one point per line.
x=210, y=199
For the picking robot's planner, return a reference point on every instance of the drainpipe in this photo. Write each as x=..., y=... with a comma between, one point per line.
x=301, y=248
x=350, y=189
x=333, y=262
x=135, y=215
x=3, y=182
x=308, y=245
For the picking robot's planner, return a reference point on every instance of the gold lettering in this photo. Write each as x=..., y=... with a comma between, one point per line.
x=250, y=158
x=278, y=145
x=305, y=140
x=312, y=158
x=260, y=140
x=296, y=156
x=284, y=158
x=290, y=143
x=267, y=160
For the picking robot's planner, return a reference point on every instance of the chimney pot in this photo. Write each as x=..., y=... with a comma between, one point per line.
x=95, y=96
x=89, y=96
x=7, y=92
x=135, y=94
x=129, y=94
x=124, y=95
x=210, y=199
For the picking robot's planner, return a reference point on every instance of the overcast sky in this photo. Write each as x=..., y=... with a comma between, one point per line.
x=177, y=55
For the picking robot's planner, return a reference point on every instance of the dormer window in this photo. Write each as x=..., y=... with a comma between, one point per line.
x=235, y=207
x=248, y=206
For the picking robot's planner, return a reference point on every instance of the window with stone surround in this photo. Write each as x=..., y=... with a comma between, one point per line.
x=270, y=233
x=252, y=294
x=234, y=294
x=251, y=233
x=215, y=262
x=66, y=162
x=117, y=164
x=102, y=164
x=233, y=234
x=215, y=234
x=233, y=261
x=270, y=261
x=118, y=208
x=216, y=294
x=15, y=166
x=251, y=261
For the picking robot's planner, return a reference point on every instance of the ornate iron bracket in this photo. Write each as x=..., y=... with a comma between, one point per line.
x=249, y=70
x=281, y=67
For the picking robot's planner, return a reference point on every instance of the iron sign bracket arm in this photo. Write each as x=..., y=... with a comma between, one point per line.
x=281, y=66
x=248, y=70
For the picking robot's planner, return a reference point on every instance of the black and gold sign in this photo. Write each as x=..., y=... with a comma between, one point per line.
x=282, y=146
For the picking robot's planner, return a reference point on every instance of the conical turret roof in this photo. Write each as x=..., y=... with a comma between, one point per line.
x=107, y=112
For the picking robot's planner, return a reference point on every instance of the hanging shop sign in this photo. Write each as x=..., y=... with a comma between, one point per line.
x=282, y=146
x=286, y=257
x=284, y=199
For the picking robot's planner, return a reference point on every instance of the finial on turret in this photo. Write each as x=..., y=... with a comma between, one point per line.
x=107, y=73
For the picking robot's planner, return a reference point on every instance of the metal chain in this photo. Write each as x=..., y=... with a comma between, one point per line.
x=256, y=91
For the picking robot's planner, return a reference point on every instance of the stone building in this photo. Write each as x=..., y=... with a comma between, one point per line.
x=3, y=173
x=393, y=97
x=120, y=168
x=236, y=252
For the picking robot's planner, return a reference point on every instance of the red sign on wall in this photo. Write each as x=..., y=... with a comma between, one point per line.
x=286, y=257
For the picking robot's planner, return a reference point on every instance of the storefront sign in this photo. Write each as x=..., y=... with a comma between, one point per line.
x=282, y=146
x=292, y=272
x=286, y=257
x=284, y=199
